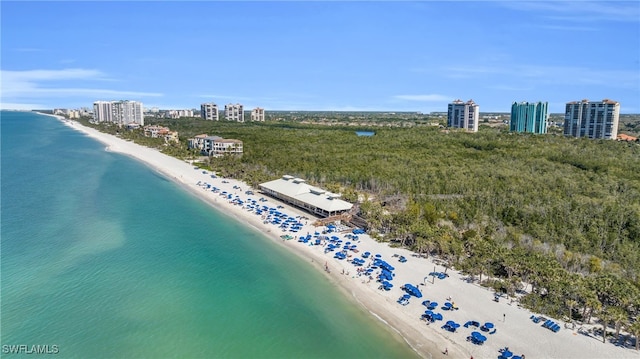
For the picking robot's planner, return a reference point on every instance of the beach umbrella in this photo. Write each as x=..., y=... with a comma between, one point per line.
x=488, y=325
x=417, y=293
x=378, y=255
x=506, y=354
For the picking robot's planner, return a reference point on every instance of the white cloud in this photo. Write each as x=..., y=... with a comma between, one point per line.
x=22, y=87
x=424, y=98
x=46, y=75
x=575, y=75
x=567, y=28
x=234, y=98
x=27, y=49
x=582, y=11
x=509, y=88
x=21, y=106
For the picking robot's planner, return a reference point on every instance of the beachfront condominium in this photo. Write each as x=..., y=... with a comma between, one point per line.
x=209, y=111
x=234, y=112
x=592, y=119
x=215, y=145
x=529, y=117
x=257, y=114
x=118, y=112
x=102, y=111
x=463, y=115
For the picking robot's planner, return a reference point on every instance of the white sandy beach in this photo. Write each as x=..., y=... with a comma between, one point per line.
x=514, y=328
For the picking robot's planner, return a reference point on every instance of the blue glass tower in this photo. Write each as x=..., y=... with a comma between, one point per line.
x=529, y=117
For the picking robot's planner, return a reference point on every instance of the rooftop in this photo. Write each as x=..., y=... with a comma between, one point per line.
x=298, y=189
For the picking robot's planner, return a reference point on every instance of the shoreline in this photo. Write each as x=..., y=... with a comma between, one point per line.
x=518, y=332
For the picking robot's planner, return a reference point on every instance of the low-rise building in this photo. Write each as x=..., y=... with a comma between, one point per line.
x=215, y=145
x=197, y=142
x=161, y=132
x=296, y=192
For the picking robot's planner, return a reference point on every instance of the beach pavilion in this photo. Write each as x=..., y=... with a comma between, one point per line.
x=296, y=192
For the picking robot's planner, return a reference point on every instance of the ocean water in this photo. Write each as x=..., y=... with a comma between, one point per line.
x=101, y=257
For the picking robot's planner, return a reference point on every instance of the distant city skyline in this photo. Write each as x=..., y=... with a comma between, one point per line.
x=415, y=56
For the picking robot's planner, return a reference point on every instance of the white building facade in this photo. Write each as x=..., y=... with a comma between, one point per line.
x=179, y=113
x=463, y=115
x=592, y=119
x=257, y=114
x=118, y=112
x=234, y=112
x=215, y=145
x=209, y=111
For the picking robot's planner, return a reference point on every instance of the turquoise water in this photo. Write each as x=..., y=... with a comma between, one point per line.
x=365, y=133
x=104, y=258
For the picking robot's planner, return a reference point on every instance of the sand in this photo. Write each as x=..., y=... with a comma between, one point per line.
x=514, y=328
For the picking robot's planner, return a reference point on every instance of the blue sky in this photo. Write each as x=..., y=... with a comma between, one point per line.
x=320, y=55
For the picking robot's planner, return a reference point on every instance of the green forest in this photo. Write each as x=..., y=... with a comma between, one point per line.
x=559, y=214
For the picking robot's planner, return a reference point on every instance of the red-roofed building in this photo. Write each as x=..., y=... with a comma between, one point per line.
x=623, y=137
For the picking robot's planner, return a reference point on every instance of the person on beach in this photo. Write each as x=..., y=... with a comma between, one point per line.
x=446, y=351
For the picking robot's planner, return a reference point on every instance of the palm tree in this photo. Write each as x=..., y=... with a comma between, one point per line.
x=619, y=318
x=634, y=328
x=606, y=317
x=594, y=306
x=571, y=303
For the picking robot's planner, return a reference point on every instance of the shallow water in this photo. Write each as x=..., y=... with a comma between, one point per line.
x=104, y=258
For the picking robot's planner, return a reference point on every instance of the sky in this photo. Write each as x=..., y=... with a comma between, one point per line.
x=320, y=55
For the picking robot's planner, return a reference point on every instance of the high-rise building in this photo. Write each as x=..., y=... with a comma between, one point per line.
x=209, y=111
x=529, y=117
x=234, y=112
x=257, y=114
x=463, y=115
x=118, y=112
x=592, y=119
x=102, y=111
